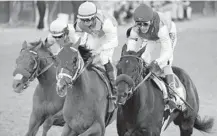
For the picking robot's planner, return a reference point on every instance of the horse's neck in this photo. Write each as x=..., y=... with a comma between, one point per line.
x=81, y=83
x=141, y=100
x=48, y=76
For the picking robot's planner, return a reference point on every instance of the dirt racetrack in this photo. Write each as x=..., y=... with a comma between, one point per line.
x=196, y=52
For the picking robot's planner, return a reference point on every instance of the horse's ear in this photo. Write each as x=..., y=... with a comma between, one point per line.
x=124, y=50
x=24, y=45
x=141, y=51
x=46, y=44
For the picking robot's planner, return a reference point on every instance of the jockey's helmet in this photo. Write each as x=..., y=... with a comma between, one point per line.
x=143, y=13
x=58, y=27
x=87, y=10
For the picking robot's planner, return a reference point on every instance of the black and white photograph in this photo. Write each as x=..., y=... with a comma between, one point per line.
x=108, y=68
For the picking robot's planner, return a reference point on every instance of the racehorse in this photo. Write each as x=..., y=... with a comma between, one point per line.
x=141, y=110
x=36, y=61
x=86, y=89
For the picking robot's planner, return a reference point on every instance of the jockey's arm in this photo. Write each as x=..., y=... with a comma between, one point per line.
x=50, y=43
x=132, y=39
x=73, y=36
x=111, y=35
x=166, y=45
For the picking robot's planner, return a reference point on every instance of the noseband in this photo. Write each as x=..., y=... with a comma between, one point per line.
x=78, y=72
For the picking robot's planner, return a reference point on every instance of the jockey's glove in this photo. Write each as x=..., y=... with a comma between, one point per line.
x=153, y=66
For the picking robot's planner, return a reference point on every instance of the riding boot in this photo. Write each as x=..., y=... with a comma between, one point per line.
x=171, y=82
x=111, y=75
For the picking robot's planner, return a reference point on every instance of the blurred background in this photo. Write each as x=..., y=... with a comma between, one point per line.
x=41, y=13
x=195, y=52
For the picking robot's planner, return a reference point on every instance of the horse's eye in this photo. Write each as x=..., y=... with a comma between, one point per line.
x=125, y=94
x=134, y=70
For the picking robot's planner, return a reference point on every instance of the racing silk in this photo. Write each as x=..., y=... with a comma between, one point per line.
x=70, y=37
x=158, y=32
x=103, y=36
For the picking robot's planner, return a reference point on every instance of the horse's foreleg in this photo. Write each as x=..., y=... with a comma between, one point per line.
x=47, y=125
x=49, y=122
x=96, y=129
x=34, y=124
x=66, y=130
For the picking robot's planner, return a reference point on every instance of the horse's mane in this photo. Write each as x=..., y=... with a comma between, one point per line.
x=85, y=53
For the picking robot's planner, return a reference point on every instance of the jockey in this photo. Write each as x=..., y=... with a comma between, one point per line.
x=103, y=29
x=151, y=28
x=61, y=33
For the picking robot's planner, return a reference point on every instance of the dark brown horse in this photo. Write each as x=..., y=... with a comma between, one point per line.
x=142, y=112
x=35, y=61
x=86, y=107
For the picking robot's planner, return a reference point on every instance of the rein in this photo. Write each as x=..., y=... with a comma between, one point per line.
x=132, y=90
x=79, y=71
x=35, y=73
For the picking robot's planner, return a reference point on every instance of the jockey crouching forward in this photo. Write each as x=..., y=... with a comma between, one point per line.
x=61, y=33
x=102, y=29
x=152, y=27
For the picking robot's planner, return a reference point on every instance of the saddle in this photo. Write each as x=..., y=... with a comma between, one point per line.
x=161, y=85
x=164, y=89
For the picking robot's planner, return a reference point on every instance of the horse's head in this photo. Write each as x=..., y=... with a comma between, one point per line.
x=28, y=64
x=70, y=64
x=130, y=70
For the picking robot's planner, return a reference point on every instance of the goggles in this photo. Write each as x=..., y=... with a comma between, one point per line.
x=146, y=24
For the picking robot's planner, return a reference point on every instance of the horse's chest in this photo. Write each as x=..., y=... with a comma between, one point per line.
x=79, y=120
x=79, y=115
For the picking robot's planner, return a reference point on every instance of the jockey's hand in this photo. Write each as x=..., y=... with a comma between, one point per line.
x=154, y=67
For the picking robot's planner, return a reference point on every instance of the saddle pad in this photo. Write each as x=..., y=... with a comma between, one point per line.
x=180, y=87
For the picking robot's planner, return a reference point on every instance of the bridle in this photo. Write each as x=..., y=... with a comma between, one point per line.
x=36, y=68
x=139, y=83
x=133, y=89
x=78, y=72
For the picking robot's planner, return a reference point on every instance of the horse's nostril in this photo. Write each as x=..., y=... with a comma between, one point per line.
x=63, y=87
